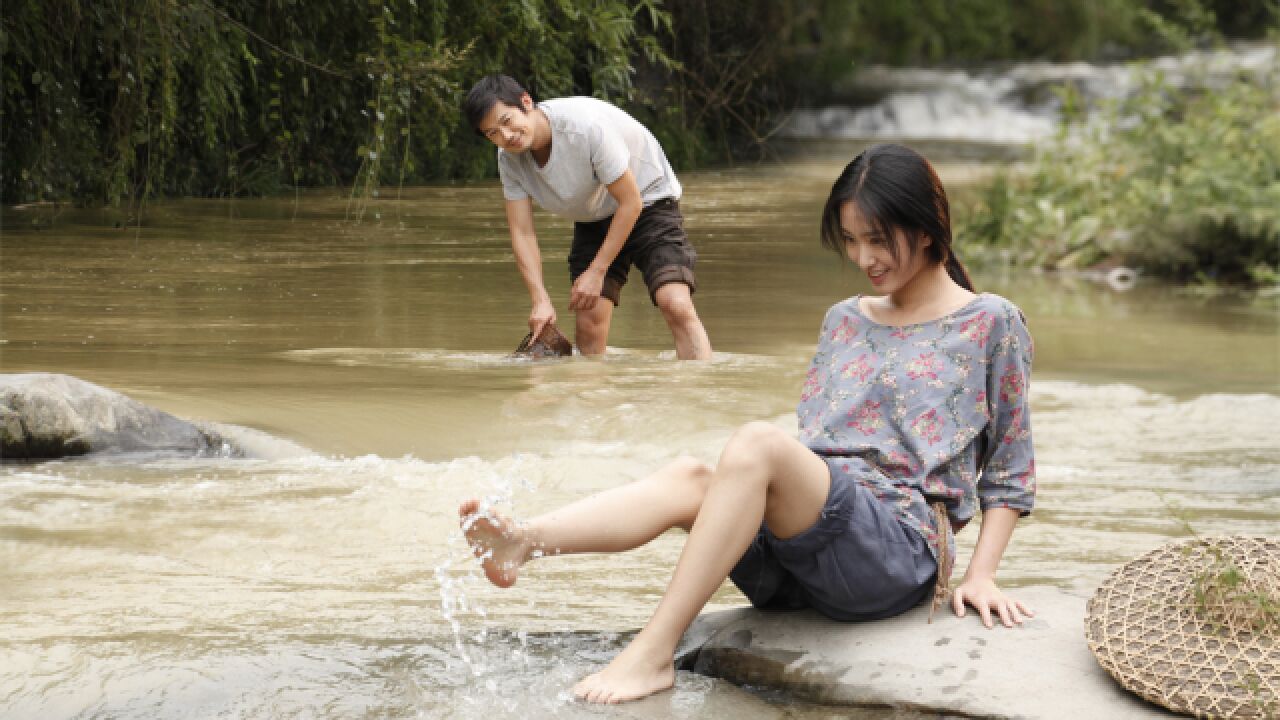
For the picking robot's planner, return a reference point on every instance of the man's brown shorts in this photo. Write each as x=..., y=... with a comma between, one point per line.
x=657, y=245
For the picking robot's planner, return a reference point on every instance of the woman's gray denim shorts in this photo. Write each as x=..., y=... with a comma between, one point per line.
x=857, y=562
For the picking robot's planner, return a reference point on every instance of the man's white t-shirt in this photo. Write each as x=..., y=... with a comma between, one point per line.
x=592, y=145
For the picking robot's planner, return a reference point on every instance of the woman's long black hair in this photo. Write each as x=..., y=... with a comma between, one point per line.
x=896, y=188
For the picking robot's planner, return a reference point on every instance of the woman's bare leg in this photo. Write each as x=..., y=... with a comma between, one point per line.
x=763, y=474
x=615, y=520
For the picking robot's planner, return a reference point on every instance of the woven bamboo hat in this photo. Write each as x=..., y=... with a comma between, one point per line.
x=1195, y=626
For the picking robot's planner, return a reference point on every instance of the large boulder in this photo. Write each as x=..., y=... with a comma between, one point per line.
x=45, y=416
x=952, y=666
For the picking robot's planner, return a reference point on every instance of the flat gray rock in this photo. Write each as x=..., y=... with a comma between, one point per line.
x=46, y=415
x=952, y=666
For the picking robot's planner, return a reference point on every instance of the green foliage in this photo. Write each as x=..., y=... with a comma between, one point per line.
x=114, y=101
x=1183, y=184
x=1251, y=19
x=739, y=70
x=935, y=30
x=1232, y=600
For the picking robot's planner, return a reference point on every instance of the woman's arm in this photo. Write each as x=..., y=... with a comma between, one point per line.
x=978, y=588
x=1007, y=484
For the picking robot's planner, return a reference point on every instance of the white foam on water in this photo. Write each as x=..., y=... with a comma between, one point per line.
x=258, y=444
x=402, y=358
x=308, y=572
x=436, y=358
x=1124, y=421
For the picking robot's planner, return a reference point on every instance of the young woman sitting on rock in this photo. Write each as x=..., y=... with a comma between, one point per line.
x=914, y=414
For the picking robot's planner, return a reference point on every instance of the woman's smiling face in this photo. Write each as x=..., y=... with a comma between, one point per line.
x=868, y=248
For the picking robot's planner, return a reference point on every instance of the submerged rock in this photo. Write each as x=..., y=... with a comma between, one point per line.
x=46, y=416
x=953, y=666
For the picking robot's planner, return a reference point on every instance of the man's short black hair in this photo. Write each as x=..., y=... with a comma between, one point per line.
x=488, y=92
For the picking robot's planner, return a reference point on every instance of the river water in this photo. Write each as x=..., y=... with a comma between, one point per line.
x=363, y=364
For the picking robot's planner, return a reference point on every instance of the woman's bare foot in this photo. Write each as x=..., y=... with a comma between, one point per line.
x=500, y=543
x=638, y=671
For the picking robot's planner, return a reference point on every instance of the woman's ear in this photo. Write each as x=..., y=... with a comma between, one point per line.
x=526, y=103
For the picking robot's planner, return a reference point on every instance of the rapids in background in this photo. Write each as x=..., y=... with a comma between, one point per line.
x=1012, y=104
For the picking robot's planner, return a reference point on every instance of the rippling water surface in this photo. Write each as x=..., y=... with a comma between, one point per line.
x=365, y=367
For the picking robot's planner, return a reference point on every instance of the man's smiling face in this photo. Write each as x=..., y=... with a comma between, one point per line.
x=510, y=127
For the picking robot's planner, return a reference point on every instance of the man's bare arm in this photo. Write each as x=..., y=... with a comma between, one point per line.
x=524, y=242
x=586, y=289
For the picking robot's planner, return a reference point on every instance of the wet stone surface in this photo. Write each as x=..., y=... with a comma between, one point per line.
x=952, y=666
x=47, y=415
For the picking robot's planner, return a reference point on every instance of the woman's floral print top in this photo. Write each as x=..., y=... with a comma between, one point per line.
x=936, y=411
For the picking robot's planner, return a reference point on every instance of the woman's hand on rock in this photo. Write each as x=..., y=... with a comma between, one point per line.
x=986, y=597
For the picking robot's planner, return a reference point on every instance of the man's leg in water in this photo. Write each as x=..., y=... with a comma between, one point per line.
x=591, y=330
x=763, y=474
x=615, y=520
x=676, y=304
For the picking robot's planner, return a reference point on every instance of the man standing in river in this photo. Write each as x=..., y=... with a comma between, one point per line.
x=592, y=163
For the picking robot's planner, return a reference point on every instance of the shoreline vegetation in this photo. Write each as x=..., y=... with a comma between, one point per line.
x=118, y=103
x=1183, y=185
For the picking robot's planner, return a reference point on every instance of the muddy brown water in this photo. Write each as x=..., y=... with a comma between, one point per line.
x=365, y=366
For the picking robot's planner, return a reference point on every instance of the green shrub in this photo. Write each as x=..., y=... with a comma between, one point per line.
x=114, y=101
x=1185, y=185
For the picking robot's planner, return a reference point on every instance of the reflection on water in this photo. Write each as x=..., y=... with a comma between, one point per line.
x=366, y=368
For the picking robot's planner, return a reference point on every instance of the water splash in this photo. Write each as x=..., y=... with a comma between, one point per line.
x=460, y=570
